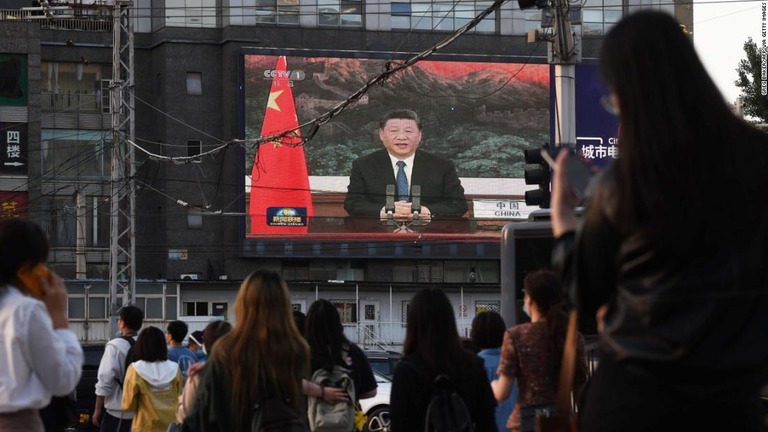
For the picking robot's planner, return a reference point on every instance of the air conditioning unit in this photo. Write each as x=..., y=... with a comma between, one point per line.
x=189, y=276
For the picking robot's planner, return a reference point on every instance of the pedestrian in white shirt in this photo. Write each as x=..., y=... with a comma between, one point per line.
x=108, y=413
x=39, y=356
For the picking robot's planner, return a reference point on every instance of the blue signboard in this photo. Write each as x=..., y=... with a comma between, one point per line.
x=596, y=128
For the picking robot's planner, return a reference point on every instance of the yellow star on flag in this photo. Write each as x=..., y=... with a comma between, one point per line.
x=272, y=102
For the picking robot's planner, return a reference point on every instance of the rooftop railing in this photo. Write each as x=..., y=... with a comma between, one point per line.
x=60, y=20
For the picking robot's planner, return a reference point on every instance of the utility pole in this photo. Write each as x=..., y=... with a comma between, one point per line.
x=565, y=52
x=122, y=270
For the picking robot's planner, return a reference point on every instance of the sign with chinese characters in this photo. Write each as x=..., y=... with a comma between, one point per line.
x=501, y=209
x=13, y=148
x=597, y=129
x=13, y=204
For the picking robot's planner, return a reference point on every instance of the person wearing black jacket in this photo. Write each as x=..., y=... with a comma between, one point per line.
x=432, y=347
x=442, y=194
x=679, y=288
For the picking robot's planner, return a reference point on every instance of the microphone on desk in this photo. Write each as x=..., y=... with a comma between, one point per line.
x=416, y=201
x=389, y=205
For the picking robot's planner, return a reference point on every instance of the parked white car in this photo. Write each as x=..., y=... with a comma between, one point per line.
x=377, y=407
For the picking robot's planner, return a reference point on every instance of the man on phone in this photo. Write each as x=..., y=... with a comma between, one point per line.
x=401, y=164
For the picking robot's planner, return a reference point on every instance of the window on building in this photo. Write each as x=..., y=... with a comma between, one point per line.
x=403, y=273
x=106, y=97
x=15, y=89
x=188, y=13
x=152, y=306
x=441, y=15
x=196, y=308
x=340, y=13
x=295, y=270
x=533, y=19
x=194, y=219
x=194, y=147
x=298, y=307
x=151, y=299
x=419, y=271
x=220, y=309
x=429, y=271
x=277, y=11
x=87, y=302
x=71, y=86
x=194, y=83
x=75, y=153
x=347, y=310
x=171, y=312
x=97, y=307
x=61, y=219
x=75, y=307
x=76, y=302
x=598, y=16
x=665, y=6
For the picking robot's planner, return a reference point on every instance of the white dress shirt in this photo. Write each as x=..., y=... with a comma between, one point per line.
x=36, y=361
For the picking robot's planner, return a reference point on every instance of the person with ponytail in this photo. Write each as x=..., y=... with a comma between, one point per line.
x=532, y=353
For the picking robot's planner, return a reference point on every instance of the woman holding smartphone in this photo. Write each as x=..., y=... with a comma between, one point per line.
x=680, y=285
x=40, y=356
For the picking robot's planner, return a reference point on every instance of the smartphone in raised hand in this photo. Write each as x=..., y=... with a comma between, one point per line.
x=577, y=173
x=30, y=276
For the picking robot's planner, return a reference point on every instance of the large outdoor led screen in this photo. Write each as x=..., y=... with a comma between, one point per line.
x=479, y=115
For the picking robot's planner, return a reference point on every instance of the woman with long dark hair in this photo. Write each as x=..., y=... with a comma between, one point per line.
x=432, y=348
x=679, y=287
x=532, y=353
x=329, y=347
x=262, y=357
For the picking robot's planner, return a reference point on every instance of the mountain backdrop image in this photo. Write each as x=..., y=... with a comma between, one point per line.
x=480, y=115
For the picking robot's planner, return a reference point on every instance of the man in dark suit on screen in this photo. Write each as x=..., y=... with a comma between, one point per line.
x=402, y=166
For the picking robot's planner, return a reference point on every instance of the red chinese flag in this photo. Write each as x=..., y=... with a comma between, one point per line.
x=280, y=202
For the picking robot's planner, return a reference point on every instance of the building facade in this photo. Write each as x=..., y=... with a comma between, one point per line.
x=188, y=79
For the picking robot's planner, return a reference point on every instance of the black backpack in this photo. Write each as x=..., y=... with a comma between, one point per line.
x=447, y=411
x=128, y=356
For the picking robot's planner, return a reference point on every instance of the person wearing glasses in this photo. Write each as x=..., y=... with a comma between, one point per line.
x=677, y=288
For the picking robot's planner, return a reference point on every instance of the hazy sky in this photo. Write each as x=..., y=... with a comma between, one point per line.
x=720, y=28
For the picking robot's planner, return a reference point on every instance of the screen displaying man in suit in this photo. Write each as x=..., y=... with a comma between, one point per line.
x=401, y=164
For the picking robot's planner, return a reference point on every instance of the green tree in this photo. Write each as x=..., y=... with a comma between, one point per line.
x=753, y=97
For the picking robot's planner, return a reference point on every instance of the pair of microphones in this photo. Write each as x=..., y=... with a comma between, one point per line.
x=389, y=205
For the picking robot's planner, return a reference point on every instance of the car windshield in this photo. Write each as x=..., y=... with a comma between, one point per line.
x=380, y=378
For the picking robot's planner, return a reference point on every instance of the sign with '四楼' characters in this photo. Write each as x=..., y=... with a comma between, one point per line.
x=13, y=148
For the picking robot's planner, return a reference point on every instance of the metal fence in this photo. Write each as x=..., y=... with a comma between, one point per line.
x=91, y=24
